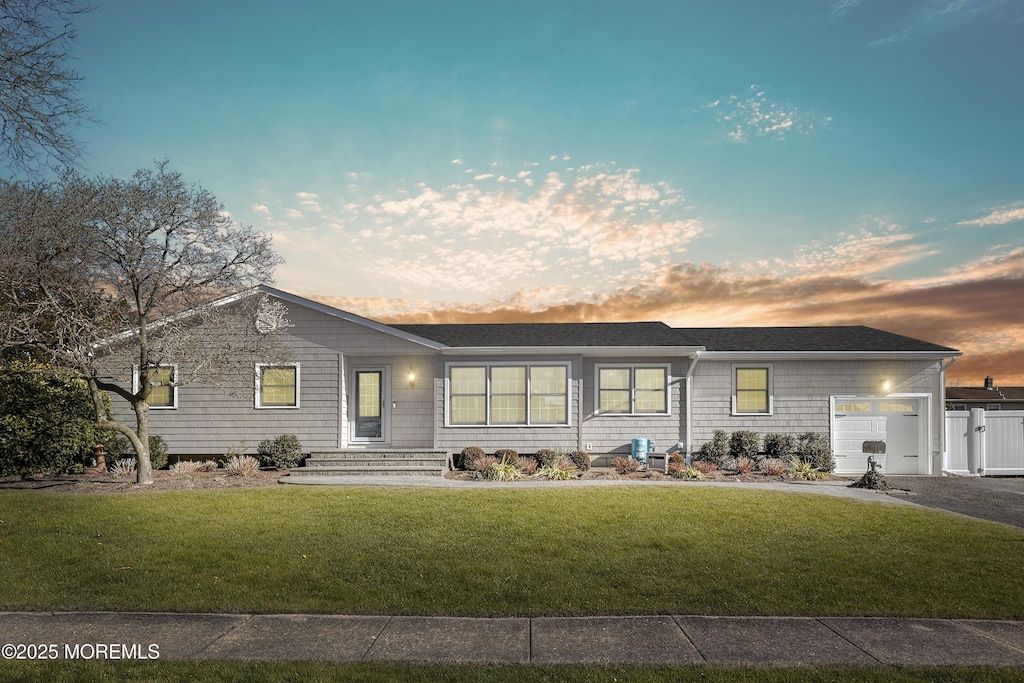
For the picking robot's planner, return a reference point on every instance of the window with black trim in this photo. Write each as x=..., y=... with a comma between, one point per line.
x=632, y=389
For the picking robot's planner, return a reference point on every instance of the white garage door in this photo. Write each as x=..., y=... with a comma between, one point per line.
x=897, y=422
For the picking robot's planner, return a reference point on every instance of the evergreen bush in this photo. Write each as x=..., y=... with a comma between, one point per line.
x=781, y=446
x=744, y=444
x=814, y=448
x=47, y=423
x=283, y=452
x=580, y=459
x=469, y=456
x=715, y=451
x=507, y=455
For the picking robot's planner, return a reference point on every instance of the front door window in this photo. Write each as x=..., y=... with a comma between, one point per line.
x=369, y=404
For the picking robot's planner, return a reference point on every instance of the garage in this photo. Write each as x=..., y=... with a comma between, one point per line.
x=895, y=421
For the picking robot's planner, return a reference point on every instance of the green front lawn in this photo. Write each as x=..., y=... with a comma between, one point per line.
x=369, y=672
x=621, y=550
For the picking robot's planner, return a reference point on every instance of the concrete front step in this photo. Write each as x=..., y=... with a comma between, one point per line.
x=386, y=462
x=363, y=471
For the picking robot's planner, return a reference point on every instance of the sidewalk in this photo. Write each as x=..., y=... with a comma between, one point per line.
x=645, y=639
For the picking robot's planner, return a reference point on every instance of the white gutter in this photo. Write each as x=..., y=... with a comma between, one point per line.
x=625, y=351
x=943, y=446
x=828, y=355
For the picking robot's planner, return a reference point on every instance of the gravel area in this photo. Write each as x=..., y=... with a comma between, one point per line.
x=997, y=499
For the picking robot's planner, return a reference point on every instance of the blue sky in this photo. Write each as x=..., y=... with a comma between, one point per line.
x=703, y=163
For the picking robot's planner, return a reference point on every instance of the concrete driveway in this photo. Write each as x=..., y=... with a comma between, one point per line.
x=998, y=499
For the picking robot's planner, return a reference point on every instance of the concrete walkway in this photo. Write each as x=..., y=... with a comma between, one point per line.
x=645, y=639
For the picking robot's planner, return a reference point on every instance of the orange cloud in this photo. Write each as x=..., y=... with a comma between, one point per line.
x=976, y=309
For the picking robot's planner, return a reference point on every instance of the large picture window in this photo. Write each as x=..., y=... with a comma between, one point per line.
x=632, y=390
x=277, y=386
x=508, y=394
x=752, y=390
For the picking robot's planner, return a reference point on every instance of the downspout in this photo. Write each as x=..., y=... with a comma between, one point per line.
x=689, y=395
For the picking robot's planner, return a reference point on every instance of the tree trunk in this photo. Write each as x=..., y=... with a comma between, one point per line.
x=144, y=467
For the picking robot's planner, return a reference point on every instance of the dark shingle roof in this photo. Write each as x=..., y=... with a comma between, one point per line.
x=854, y=338
x=549, y=334
x=982, y=394
x=659, y=334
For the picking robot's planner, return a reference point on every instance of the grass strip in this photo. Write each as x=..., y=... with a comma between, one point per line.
x=370, y=672
x=403, y=551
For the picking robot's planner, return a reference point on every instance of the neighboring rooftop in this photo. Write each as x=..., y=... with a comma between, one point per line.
x=989, y=393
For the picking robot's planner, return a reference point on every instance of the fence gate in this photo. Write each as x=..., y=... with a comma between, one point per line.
x=1003, y=440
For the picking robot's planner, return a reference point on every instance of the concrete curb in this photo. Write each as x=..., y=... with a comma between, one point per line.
x=657, y=639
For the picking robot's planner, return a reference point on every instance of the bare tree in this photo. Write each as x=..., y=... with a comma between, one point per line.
x=38, y=101
x=103, y=276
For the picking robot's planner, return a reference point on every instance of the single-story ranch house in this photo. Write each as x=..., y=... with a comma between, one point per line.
x=355, y=383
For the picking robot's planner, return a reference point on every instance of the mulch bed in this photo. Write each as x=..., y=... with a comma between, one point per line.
x=610, y=473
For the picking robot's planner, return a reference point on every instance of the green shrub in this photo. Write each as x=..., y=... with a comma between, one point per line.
x=715, y=451
x=781, y=446
x=580, y=460
x=508, y=455
x=815, y=449
x=47, y=422
x=545, y=457
x=469, y=456
x=283, y=452
x=118, y=447
x=744, y=444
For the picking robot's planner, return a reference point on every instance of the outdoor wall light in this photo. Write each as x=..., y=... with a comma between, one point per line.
x=886, y=386
x=412, y=378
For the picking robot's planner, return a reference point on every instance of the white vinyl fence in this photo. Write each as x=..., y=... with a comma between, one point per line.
x=988, y=443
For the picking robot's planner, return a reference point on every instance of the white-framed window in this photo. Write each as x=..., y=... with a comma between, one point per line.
x=993, y=406
x=163, y=395
x=507, y=394
x=631, y=389
x=752, y=389
x=277, y=386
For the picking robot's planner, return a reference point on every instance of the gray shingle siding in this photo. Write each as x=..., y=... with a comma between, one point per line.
x=801, y=393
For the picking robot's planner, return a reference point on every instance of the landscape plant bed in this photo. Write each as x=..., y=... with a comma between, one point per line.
x=606, y=473
x=163, y=480
x=509, y=551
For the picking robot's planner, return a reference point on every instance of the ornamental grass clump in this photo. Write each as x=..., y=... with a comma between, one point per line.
x=242, y=466
x=528, y=465
x=125, y=467
x=186, y=467
x=805, y=471
x=743, y=465
x=702, y=466
x=625, y=465
x=773, y=467
x=561, y=469
x=689, y=474
x=482, y=463
x=208, y=466
x=503, y=471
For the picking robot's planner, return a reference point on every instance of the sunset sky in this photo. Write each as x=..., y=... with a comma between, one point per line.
x=704, y=163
